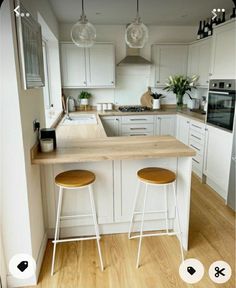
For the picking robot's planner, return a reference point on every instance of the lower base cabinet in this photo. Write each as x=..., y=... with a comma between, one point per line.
x=166, y=125
x=218, y=150
x=111, y=125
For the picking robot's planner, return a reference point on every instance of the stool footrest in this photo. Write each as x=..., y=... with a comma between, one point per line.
x=154, y=234
x=75, y=239
x=75, y=216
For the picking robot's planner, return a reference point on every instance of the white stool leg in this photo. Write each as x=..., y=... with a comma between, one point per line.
x=57, y=228
x=95, y=224
x=141, y=226
x=133, y=211
x=166, y=209
x=178, y=222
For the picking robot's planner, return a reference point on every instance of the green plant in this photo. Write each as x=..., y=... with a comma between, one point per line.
x=84, y=95
x=180, y=84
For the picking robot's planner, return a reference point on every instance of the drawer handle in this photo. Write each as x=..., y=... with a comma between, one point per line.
x=141, y=128
x=196, y=161
x=196, y=137
x=196, y=126
x=138, y=119
x=195, y=147
x=137, y=134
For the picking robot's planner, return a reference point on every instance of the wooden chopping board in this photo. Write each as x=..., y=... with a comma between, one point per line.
x=146, y=98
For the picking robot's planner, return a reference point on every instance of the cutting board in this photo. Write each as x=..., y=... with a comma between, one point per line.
x=146, y=98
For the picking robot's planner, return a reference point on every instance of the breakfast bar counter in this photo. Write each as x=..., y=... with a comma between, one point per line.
x=115, y=162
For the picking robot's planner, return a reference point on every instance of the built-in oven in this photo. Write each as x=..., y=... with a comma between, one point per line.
x=221, y=103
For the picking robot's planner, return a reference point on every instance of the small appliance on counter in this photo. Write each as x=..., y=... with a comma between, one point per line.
x=193, y=104
x=46, y=145
x=49, y=133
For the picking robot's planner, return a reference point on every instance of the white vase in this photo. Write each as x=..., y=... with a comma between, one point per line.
x=156, y=103
x=83, y=101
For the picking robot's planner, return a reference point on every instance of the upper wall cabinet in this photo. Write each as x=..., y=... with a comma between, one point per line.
x=199, y=60
x=223, y=52
x=88, y=67
x=168, y=59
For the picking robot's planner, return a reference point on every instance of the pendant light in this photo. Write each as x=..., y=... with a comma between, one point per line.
x=136, y=34
x=83, y=33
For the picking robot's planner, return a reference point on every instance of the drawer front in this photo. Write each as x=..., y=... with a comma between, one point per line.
x=138, y=134
x=197, y=137
x=196, y=146
x=137, y=119
x=137, y=128
x=197, y=126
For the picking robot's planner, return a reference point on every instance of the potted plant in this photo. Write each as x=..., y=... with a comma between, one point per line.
x=179, y=85
x=156, y=102
x=84, y=97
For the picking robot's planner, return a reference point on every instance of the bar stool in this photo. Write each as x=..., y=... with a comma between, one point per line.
x=70, y=180
x=158, y=177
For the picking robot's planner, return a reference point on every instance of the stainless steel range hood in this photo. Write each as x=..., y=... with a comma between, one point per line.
x=133, y=57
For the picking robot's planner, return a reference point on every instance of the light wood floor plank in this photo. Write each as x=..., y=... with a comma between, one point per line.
x=212, y=238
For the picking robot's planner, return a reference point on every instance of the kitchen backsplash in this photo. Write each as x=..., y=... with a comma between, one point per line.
x=131, y=83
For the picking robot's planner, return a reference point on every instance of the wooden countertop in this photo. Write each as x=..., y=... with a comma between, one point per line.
x=83, y=143
x=114, y=148
x=165, y=111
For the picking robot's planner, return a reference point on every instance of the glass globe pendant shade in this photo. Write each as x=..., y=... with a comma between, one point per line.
x=136, y=34
x=83, y=33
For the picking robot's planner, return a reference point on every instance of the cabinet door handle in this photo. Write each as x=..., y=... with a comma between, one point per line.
x=112, y=82
x=195, y=147
x=137, y=134
x=196, y=137
x=196, y=126
x=117, y=119
x=84, y=82
x=138, y=119
x=138, y=128
x=196, y=161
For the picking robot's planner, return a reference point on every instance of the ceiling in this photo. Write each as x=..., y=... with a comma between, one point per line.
x=153, y=12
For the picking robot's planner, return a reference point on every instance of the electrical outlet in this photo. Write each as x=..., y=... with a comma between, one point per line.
x=36, y=125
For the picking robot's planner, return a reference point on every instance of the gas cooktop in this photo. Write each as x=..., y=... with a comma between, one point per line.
x=136, y=108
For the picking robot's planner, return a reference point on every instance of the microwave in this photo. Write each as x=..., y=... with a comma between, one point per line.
x=221, y=103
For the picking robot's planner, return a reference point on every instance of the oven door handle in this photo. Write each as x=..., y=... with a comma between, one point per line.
x=219, y=92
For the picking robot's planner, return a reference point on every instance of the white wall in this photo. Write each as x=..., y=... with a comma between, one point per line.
x=23, y=226
x=131, y=82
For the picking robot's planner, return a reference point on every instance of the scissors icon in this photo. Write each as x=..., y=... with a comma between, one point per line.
x=219, y=272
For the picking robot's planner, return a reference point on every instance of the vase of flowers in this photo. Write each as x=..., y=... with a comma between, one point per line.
x=179, y=85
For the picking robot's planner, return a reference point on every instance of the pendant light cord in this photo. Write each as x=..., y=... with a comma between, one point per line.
x=82, y=7
x=137, y=8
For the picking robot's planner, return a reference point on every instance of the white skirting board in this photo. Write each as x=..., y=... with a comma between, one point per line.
x=14, y=282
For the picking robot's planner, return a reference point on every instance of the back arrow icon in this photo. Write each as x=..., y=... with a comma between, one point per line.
x=16, y=10
x=214, y=13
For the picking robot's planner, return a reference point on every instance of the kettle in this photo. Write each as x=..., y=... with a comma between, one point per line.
x=193, y=104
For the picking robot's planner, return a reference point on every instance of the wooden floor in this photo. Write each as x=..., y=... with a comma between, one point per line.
x=212, y=238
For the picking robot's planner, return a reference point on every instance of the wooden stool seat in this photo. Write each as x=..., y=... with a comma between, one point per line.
x=75, y=178
x=155, y=175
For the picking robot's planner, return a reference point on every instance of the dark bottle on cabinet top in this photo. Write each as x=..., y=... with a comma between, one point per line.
x=205, y=28
x=210, y=30
x=234, y=13
x=199, y=32
x=223, y=17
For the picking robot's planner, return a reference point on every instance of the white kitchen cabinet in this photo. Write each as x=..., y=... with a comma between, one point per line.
x=73, y=66
x=183, y=127
x=101, y=65
x=168, y=59
x=90, y=67
x=166, y=125
x=217, y=158
x=111, y=125
x=223, y=60
x=199, y=60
